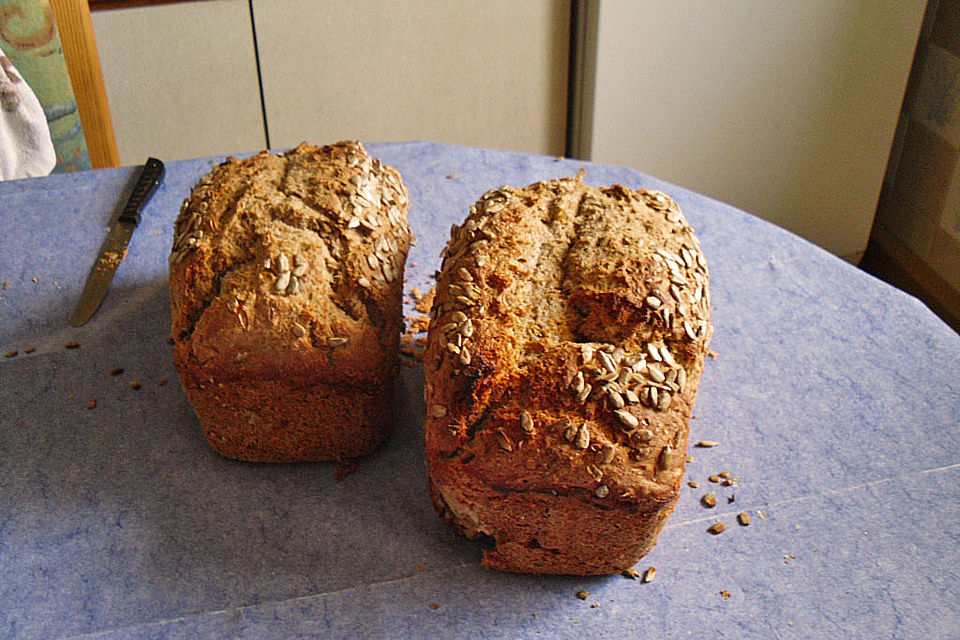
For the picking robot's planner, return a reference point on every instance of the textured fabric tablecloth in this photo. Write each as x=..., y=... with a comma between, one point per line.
x=835, y=399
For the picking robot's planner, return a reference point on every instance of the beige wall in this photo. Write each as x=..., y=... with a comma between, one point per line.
x=489, y=73
x=181, y=79
x=786, y=110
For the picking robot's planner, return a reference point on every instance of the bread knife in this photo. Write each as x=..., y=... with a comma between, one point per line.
x=114, y=248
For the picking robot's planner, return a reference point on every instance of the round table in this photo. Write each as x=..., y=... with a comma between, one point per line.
x=834, y=398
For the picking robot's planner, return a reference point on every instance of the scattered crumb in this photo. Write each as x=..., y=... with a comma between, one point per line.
x=160, y=383
x=714, y=478
x=799, y=527
x=116, y=371
x=134, y=385
x=434, y=606
x=712, y=354
x=650, y=574
x=729, y=482
x=344, y=469
x=414, y=265
x=725, y=474
x=10, y=354
x=706, y=444
x=725, y=593
x=689, y=459
x=426, y=302
x=92, y=404
x=421, y=568
x=693, y=483
x=744, y=518
x=30, y=349
x=452, y=176
x=583, y=595
x=630, y=573
x=418, y=324
x=33, y=279
x=416, y=294
x=72, y=344
x=717, y=528
x=761, y=514
x=709, y=500
x=595, y=605
x=412, y=346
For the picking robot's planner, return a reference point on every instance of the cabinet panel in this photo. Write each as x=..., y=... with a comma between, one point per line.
x=181, y=79
x=488, y=74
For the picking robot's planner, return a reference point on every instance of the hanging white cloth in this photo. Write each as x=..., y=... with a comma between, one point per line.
x=26, y=150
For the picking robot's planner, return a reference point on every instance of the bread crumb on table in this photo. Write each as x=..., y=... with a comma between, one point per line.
x=418, y=324
x=425, y=302
x=344, y=469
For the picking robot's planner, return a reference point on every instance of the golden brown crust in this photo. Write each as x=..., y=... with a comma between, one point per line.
x=565, y=350
x=290, y=268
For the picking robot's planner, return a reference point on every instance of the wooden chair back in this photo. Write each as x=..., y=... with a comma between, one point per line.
x=73, y=22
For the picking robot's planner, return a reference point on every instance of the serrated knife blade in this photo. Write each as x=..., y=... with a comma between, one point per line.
x=114, y=248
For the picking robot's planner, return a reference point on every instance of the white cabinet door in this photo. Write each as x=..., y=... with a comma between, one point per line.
x=785, y=109
x=181, y=79
x=489, y=73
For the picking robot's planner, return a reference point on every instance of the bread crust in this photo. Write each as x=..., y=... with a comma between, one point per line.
x=565, y=349
x=286, y=276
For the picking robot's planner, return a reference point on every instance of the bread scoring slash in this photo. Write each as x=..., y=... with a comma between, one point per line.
x=286, y=278
x=565, y=348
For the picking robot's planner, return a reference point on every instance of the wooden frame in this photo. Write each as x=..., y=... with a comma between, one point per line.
x=102, y=5
x=72, y=18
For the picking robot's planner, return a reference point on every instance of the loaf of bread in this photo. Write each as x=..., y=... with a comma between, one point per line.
x=565, y=349
x=286, y=278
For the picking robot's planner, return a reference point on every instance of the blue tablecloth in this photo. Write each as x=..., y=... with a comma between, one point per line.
x=834, y=397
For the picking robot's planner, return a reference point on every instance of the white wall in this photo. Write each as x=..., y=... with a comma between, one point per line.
x=490, y=73
x=182, y=82
x=785, y=109
x=181, y=79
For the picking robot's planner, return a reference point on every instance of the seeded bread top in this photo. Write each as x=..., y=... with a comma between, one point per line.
x=286, y=262
x=567, y=341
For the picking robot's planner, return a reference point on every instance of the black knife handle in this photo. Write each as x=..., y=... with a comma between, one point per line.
x=150, y=178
